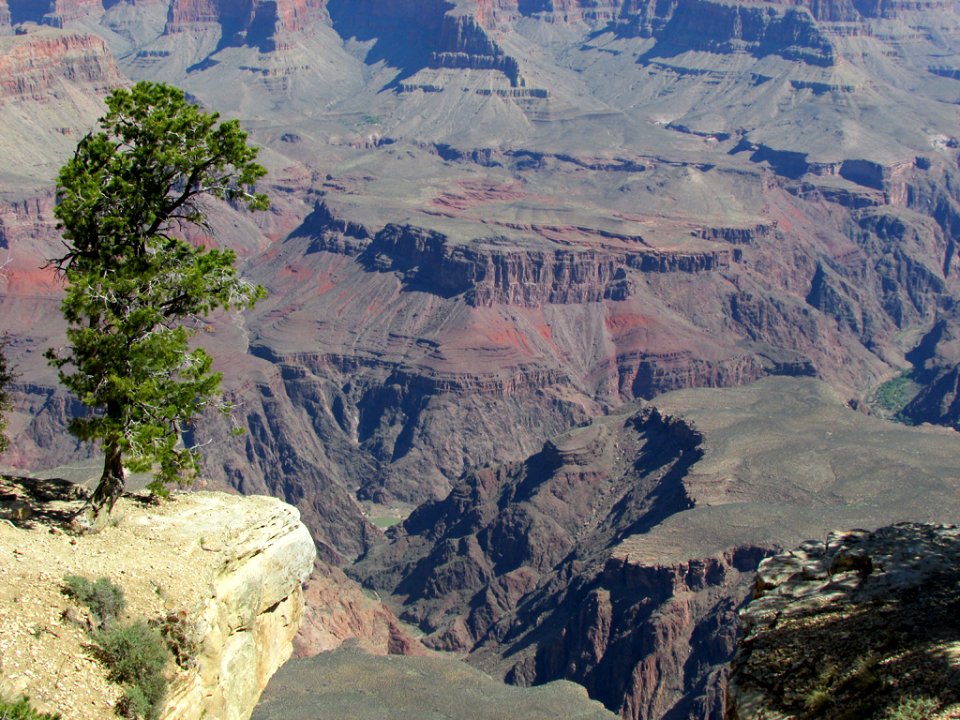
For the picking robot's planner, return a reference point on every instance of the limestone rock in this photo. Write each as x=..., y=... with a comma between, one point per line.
x=254, y=607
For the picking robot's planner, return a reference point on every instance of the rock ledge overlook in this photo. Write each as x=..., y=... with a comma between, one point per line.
x=233, y=565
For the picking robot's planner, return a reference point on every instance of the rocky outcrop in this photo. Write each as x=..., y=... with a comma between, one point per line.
x=463, y=45
x=859, y=625
x=428, y=261
x=254, y=608
x=33, y=65
x=779, y=29
x=256, y=23
x=228, y=568
x=715, y=27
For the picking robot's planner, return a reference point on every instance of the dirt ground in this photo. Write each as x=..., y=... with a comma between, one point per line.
x=44, y=651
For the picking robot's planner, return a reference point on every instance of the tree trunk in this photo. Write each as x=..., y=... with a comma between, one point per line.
x=111, y=482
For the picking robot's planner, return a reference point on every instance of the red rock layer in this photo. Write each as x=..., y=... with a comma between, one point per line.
x=337, y=611
x=31, y=65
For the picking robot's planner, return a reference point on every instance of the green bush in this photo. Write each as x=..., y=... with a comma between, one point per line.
x=104, y=599
x=913, y=708
x=135, y=704
x=135, y=656
x=21, y=710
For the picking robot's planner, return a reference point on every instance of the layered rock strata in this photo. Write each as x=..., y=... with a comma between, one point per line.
x=618, y=555
x=32, y=66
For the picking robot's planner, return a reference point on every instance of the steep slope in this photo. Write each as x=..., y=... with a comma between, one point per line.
x=617, y=556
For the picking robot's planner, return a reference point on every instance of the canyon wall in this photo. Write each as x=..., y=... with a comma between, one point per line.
x=618, y=556
x=254, y=610
x=34, y=65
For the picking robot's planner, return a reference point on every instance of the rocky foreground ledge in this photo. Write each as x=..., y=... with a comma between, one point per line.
x=232, y=565
x=863, y=625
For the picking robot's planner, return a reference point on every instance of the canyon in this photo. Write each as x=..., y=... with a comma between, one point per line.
x=496, y=221
x=618, y=556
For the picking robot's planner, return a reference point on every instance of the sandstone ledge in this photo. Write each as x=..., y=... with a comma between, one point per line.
x=233, y=564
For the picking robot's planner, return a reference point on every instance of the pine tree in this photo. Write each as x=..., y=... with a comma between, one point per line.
x=135, y=287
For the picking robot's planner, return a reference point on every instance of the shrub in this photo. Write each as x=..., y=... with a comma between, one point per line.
x=180, y=637
x=135, y=704
x=135, y=656
x=104, y=599
x=913, y=708
x=21, y=710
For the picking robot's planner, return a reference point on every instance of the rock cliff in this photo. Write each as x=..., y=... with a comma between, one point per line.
x=51, y=88
x=33, y=65
x=258, y=23
x=859, y=625
x=618, y=555
x=337, y=612
x=231, y=566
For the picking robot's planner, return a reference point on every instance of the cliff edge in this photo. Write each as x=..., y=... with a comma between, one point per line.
x=231, y=567
x=863, y=625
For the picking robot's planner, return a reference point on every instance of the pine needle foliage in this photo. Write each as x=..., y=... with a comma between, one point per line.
x=136, y=288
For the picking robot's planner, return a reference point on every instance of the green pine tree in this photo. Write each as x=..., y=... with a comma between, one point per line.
x=133, y=282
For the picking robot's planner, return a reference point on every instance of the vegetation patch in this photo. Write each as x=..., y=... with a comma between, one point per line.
x=892, y=397
x=135, y=653
x=104, y=599
x=21, y=710
x=384, y=522
x=135, y=656
x=913, y=708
